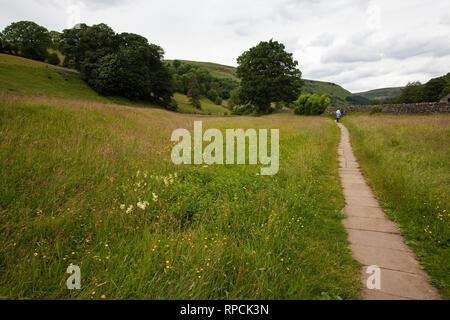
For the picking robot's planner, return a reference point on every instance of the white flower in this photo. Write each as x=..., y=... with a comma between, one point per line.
x=122, y=206
x=138, y=173
x=155, y=197
x=142, y=205
x=130, y=208
x=166, y=182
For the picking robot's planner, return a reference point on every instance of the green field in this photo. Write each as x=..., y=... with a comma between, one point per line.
x=406, y=161
x=209, y=232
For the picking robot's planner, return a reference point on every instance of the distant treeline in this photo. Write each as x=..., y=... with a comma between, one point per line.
x=124, y=64
x=415, y=92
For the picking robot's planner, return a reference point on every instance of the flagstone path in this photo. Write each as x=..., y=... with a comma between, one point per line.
x=375, y=240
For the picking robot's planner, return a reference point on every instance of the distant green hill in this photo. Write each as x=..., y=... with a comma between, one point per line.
x=216, y=70
x=338, y=95
x=381, y=94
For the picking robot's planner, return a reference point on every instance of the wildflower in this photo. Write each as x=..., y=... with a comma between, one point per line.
x=103, y=296
x=142, y=205
x=36, y=254
x=130, y=208
x=155, y=197
x=122, y=207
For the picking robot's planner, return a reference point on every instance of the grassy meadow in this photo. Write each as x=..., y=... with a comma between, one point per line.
x=406, y=161
x=74, y=172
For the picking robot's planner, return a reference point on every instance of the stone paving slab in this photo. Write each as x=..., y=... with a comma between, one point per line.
x=375, y=240
x=381, y=224
x=364, y=212
x=378, y=239
x=405, y=285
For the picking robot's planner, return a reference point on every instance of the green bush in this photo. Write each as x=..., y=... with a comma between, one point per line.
x=218, y=100
x=375, y=109
x=243, y=109
x=311, y=104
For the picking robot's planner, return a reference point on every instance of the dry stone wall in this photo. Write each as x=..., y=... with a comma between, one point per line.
x=425, y=107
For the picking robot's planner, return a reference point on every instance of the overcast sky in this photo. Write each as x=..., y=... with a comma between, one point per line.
x=358, y=44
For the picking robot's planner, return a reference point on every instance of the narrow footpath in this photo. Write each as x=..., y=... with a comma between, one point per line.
x=375, y=240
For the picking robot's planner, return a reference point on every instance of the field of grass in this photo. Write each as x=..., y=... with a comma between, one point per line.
x=71, y=170
x=406, y=162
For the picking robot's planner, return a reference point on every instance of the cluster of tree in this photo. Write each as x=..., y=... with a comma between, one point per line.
x=268, y=74
x=311, y=104
x=414, y=92
x=123, y=64
x=29, y=40
x=195, y=81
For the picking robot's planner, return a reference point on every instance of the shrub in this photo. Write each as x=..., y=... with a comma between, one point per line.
x=243, y=109
x=172, y=106
x=314, y=104
x=375, y=109
x=218, y=101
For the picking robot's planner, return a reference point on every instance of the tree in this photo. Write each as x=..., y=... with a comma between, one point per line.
x=28, y=39
x=433, y=89
x=56, y=38
x=84, y=46
x=412, y=93
x=268, y=74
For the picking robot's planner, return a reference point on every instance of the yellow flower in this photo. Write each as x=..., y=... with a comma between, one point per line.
x=35, y=254
x=103, y=296
x=93, y=292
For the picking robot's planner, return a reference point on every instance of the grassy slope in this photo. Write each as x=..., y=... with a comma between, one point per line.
x=32, y=78
x=381, y=94
x=217, y=70
x=406, y=161
x=215, y=232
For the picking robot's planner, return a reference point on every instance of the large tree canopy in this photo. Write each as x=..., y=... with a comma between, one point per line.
x=27, y=39
x=268, y=74
x=123, y=64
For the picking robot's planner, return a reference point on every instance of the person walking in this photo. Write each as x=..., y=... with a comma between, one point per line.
x=338, y=115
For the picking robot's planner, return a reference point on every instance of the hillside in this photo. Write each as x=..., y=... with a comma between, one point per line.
x=381, y=94
x=338, y=95
x=25, y=77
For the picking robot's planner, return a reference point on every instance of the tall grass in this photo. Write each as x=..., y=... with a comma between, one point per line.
x=70, y=172
x=406, y=160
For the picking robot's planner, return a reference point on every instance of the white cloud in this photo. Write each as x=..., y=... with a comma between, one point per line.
x=358, y=44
